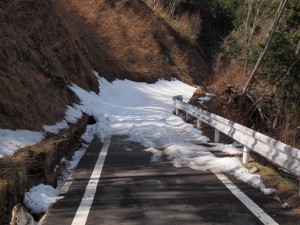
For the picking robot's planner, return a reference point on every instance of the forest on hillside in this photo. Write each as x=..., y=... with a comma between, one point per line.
x=233, y=35
x=274, y=89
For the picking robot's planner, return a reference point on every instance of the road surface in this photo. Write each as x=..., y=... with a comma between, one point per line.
x=116, y=183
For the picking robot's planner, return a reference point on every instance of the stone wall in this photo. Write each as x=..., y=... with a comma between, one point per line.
x=36, y=164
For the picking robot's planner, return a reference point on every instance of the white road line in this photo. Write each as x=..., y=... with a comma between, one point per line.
x=87, y=200
x=255, y=209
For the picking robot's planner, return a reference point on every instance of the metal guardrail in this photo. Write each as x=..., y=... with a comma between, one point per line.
x=275, y=151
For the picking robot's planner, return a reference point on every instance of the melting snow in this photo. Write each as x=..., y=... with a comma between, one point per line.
x=144, y=113
x=12, y=140
x=72, y=114
x=39, y=198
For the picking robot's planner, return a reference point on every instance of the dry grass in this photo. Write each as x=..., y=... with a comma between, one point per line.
x=38, y=59
x=287, y=187
x=232, y=75
x=165, y=8
x=133, y=42
x=59, y=42
x=186, y=24
x=290, y=126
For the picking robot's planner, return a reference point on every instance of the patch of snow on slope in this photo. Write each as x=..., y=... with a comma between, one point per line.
x=144, y=113
x=56, y=127
x=12, y=140
x=72, y=115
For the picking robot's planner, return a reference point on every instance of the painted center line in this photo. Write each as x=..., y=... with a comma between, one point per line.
x=88, y=197
x=254, y=208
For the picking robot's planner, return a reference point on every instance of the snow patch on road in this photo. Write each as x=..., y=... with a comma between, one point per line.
x=144, y=113
x=157, y=154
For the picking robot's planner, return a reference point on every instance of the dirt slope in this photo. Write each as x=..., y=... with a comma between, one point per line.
x=38, y=59
x=126, y=39
x=46, y=45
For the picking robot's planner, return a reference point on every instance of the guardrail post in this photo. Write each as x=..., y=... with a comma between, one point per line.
x=217, y=136
x=246, y=154
x=179, y=98
x=198, y=124
x=299, y=185
x=187, y=116
x=176, y=111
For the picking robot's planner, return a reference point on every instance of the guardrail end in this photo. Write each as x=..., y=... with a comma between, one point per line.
x=178, y=97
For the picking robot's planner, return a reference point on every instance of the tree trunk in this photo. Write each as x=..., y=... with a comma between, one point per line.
x=249, y=38
x=259, y=61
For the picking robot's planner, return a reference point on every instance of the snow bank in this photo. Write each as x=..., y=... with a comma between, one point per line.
x=144, y=113
x=39, y=198
x=56, y=127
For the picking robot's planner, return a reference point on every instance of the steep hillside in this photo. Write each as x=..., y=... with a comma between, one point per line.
x=39, y=57
x=126, y=39
x=48, y=44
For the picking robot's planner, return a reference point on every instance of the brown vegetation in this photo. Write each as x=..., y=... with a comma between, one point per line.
x=36, y=164
x=187, y=24
x=46, y=45
x=126, y=39
x=286, y=185
x=249, y=111
x=39, y=58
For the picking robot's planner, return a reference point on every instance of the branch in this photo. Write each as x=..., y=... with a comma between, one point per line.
x=287, y=73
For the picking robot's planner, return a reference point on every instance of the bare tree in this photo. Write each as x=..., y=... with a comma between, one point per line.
x=259, y=61
x=248, y=37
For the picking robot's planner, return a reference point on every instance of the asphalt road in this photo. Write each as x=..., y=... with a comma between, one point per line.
x=132, y=190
